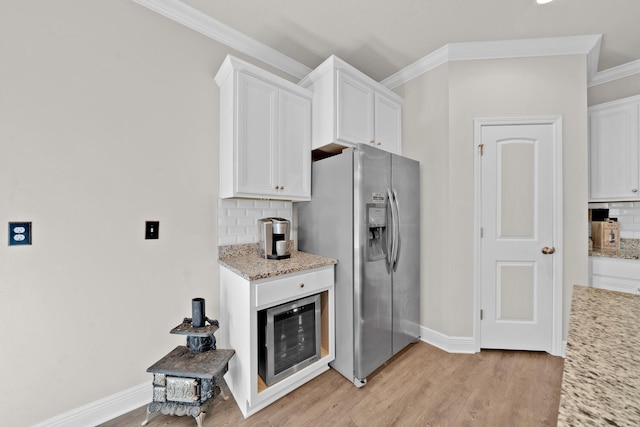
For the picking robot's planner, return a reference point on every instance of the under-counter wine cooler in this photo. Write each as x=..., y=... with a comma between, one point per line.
x=288, y=338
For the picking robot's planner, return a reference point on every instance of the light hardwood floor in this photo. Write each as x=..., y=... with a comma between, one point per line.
x=421, y=386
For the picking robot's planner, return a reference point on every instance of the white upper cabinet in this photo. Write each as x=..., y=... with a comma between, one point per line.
x=614, y=150
x=265, y=134
x=350, y=108
x=388, y=123
x=354, y=110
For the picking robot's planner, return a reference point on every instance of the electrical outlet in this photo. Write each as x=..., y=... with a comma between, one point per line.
x=151, y=229
x=19, y=233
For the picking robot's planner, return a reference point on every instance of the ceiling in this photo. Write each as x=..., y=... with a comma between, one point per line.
x=381, y=37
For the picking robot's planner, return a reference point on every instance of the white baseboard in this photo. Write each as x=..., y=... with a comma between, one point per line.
x=104, y=409
x=458, y=344
x=447, y=343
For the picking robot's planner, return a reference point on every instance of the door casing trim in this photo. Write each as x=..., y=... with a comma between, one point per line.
x=557, y=169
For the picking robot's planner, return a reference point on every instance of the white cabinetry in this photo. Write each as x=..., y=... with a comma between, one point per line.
x=350, y=108
x=265, y=134
x=614, y=150
x=240, y=301
x=615, y=274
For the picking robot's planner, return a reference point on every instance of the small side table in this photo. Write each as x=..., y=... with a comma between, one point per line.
x=186, y=382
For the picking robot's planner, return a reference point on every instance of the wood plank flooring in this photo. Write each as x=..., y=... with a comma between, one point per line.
x=421, y=386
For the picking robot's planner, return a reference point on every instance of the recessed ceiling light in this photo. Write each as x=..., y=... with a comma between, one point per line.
x=543, y=1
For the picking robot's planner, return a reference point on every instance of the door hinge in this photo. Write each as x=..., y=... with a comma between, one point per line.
x=481, y=149
x=481, y=314
x=481, y=232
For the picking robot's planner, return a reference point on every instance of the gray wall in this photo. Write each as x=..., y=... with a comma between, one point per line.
x=108, y=117
x=440, y=107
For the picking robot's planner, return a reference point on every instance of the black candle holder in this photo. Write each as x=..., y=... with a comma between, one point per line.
x=199, y=335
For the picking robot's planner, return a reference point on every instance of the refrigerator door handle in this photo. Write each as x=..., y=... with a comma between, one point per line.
x=390, y=230
x=396, y=230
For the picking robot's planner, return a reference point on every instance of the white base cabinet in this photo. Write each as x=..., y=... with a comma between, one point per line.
x=614, y=151
x=350, y=108
x=614, y=274
x=265, y=134
x=240, y=301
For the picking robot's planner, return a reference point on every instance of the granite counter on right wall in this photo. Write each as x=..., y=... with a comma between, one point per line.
x=601, y=379
x=629, y=249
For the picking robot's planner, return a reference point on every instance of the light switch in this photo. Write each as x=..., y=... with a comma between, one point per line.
x=151, y=229
x=19, y=233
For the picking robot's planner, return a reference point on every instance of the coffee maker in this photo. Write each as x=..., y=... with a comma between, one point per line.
x=273, y=235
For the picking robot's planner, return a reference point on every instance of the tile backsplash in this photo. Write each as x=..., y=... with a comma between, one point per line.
x=237, y=218
x=628, y=214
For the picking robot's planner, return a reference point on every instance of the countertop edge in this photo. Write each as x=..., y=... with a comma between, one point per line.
x=250, y=266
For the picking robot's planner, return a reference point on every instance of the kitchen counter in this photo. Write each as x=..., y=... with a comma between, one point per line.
x=245, y=261
x=601, y=379
x=629, y=249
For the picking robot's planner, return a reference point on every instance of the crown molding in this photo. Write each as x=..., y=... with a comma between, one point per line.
x=502, y=49
x=589, y=45
x=434, y=59
x=198, y=21
x=615, y=73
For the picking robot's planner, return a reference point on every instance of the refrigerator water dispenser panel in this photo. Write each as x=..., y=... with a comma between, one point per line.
x=377, y=224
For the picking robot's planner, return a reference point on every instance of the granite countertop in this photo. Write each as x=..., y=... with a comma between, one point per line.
x=629, y=249
x=245, y=261
x=601, y=381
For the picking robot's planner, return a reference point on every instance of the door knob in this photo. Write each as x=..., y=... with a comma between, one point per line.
x=547, y=250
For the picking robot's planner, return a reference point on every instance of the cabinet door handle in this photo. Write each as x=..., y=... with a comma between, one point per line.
x=301, y=285
x=635, y=190
x=372, y=142
x=379, y=142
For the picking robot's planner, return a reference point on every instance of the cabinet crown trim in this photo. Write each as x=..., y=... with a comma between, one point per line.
x=333, y=63
x=616, y=102
x=231, y=63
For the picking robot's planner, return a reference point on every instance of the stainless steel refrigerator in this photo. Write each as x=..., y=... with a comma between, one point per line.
x=365, y=212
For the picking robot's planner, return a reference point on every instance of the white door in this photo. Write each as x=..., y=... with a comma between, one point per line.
x=517, y=288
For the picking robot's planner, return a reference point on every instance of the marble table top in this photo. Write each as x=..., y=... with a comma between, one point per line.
x=245, y=261
x=601, y=380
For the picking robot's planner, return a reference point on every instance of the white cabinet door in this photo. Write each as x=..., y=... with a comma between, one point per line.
x=615, y=274
x=614, y=141
x=388, y=124
x=265, y=134
x=257, y=154
x=294, y=150
x=354, y=110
